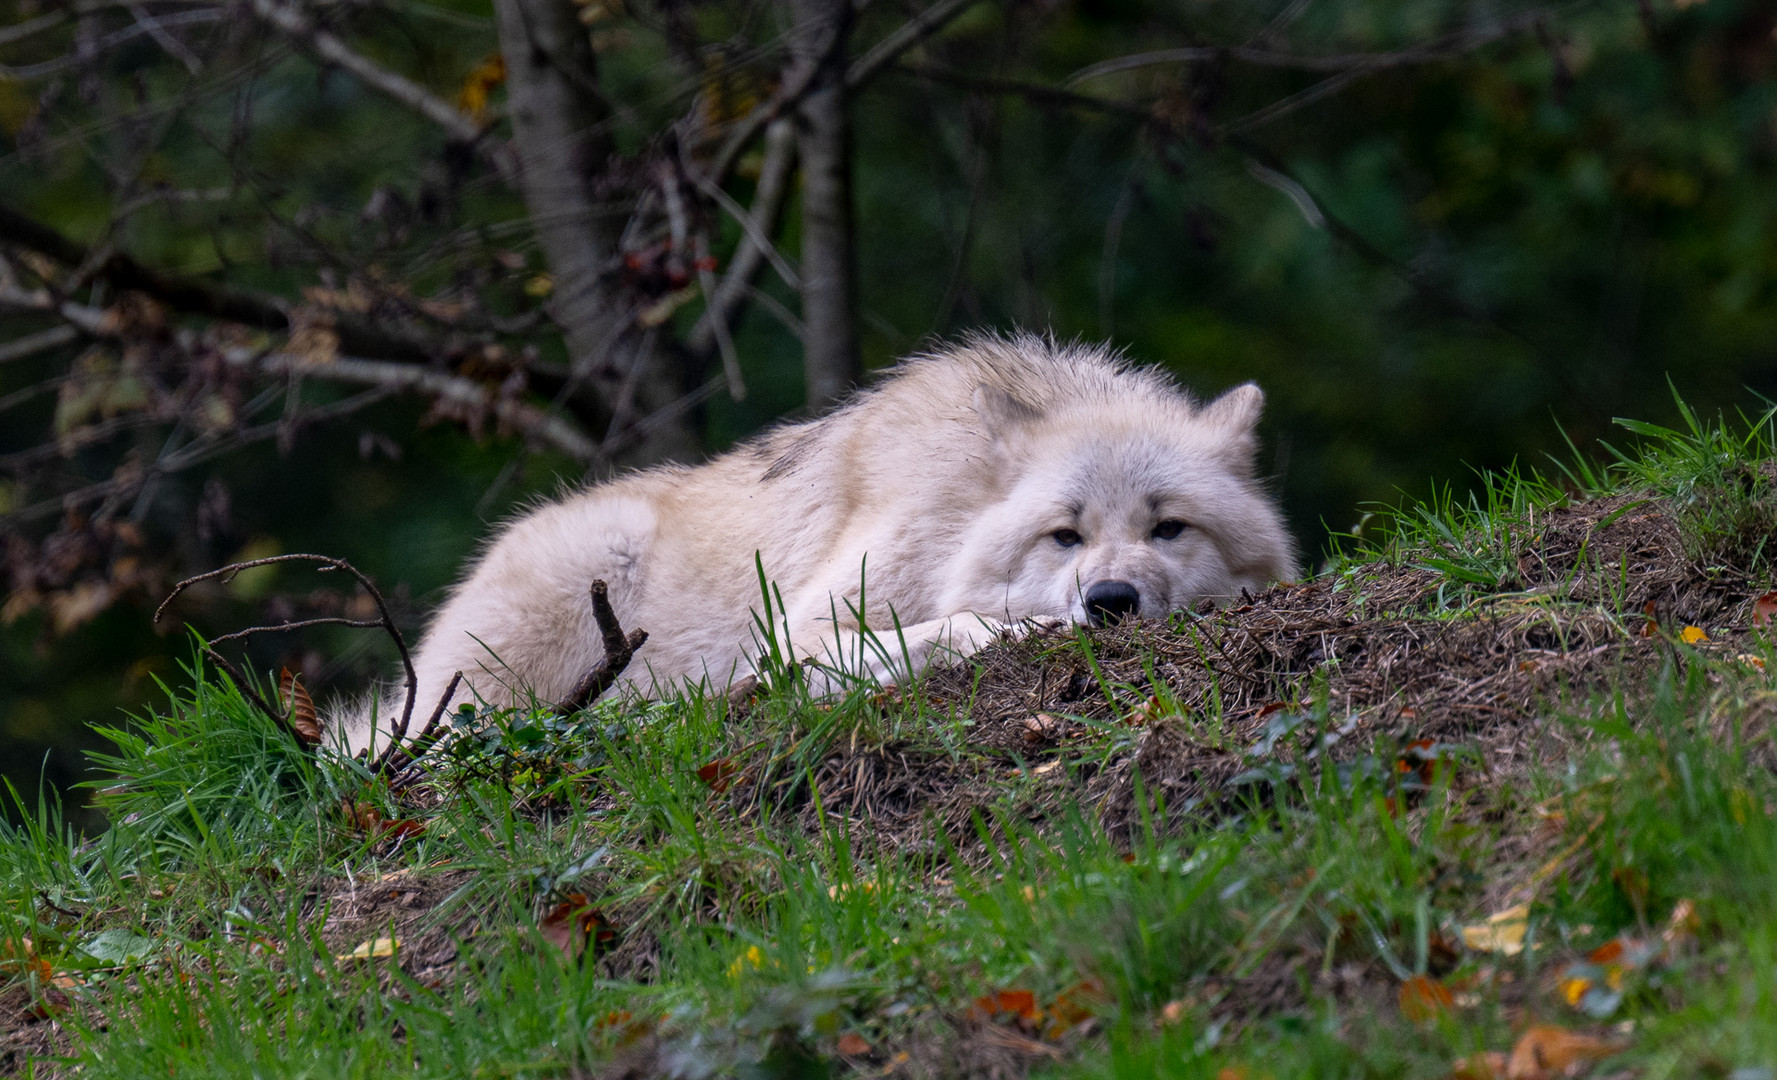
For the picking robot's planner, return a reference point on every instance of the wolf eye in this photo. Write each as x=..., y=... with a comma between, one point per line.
x=1066, y=537
x=1169, y=529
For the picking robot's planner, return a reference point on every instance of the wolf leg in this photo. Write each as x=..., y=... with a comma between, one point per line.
x=887, y=655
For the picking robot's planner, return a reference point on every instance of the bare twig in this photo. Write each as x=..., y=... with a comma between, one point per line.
x=394, y=759
x=759, y=224
x=327, y=47
x=41, y=341
x=619, y=648
x=1450, y=45
x=328, y=563
x=920, y=27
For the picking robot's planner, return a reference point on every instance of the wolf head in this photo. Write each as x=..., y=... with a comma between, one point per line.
x=1126, y=501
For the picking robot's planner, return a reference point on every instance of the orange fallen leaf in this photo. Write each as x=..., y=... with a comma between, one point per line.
x=1693, y=635
x=1072, y=1007
x=304, y=722
x=574, y=924
x=1423, y=999
x=1764, y=608
x=851, y=1044
x=1652, y=625
x=719, y=774
x=405, y=829
x=1549, y=1050
x=1019, y=1004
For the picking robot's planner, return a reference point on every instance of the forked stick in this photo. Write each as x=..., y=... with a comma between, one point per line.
x=386, y=622
x=619, y=648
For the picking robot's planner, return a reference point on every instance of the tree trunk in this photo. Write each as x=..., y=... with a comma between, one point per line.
x=560, y=126
x=823, y=130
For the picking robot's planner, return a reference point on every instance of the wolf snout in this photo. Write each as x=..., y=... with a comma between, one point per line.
x=1112, y=601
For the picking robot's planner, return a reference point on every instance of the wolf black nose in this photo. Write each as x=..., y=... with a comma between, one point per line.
x=1112, y=601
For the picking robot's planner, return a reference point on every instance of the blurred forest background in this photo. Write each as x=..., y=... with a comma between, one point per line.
x=360, y=276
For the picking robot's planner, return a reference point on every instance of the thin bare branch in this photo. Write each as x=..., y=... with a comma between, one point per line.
x=42, y=341
x=1450, y=45
x=886, y=51
x=21, y=31
x=328, y=563
x=173, y=46
x=619, y=648
x=324, y=45
x=544, y=428
x=756, y=245
x=394, y=759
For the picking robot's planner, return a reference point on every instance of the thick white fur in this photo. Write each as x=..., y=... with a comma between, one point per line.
x=945, y=485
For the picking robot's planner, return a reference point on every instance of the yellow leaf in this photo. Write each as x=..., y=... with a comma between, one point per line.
x=373, y=949
x=539, y=285
x=1503, y=932
x=1573, y=988
x=472, y=98
x=754, y=957
x=1693, y=635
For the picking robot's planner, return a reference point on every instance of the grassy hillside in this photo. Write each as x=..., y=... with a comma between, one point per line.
x=1491, y=795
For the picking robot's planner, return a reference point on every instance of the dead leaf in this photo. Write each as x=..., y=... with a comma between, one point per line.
x=1172, y=1012
x=304, y=722
x=404, y=829
x=719, y=774
x=1017, y=1005
x=1764, y=608
x=1503, y=932
x=1549, y=1050
x=1693, y=635
x=851, y=1044
x=1424, y=999
x=472, y=97
x=1073, y=1007
x=362, y=815
x=574, y=924
x=372, y=949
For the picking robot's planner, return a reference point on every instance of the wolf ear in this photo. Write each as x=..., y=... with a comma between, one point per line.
x=1236, y=411
x=1236, y=414
x=1000, y=412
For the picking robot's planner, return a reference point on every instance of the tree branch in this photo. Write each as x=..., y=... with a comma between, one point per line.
x=323, y=45
x=1458, y=43
x=202, y=298
x=758, y=224
x=916, y=30
x=619, y=648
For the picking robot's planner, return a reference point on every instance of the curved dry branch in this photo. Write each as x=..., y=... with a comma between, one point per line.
x=328, y=563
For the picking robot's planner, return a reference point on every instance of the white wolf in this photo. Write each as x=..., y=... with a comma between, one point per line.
x=973, y=489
